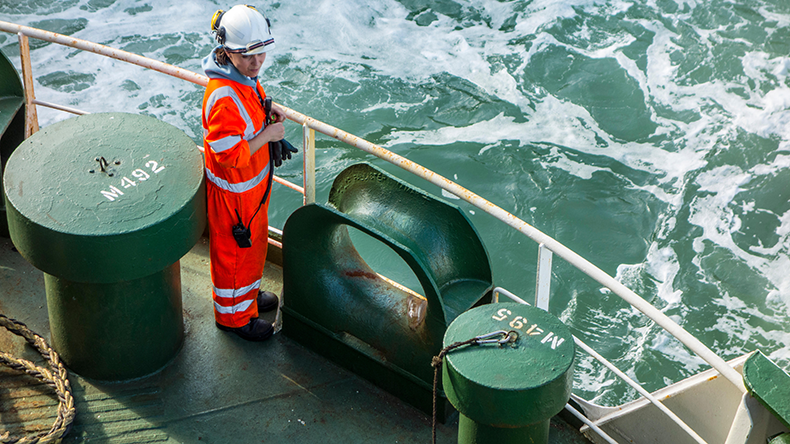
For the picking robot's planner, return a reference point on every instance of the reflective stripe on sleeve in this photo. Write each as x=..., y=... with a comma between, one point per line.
x=227, y=91
x=238, y=187
x=224, y=143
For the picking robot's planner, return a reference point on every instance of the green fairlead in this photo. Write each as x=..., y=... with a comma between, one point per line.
x=106, y=205
x=507, y=390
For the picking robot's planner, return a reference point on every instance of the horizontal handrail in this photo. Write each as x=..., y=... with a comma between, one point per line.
x=499, y=290
x=105, y=51
x=590, y=424
x=536, y=235
x=67, y=109
x=71, y=110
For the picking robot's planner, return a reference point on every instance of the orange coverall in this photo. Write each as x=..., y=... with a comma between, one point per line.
x=236, y=181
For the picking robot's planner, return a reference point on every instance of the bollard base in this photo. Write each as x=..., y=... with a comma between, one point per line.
x=471, y=432
x=116, y=331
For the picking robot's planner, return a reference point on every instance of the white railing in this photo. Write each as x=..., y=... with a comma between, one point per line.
x=547, y=245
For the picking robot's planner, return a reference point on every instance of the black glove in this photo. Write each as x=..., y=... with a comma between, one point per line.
x=281, y=150
x=275, y=152
x=287, y=149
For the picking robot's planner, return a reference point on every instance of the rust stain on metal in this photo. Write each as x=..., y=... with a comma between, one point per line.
x=361, y=273
x=54, y=220
x=26, y=406
x=414, y=305
x=417, y=306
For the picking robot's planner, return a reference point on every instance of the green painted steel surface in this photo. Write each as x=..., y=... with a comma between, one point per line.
x=501, y=387
x=72, y=220
x=335, y=303
x=116, y=331
x=470, y=431
x=438, y=235
x=784, y=438
x=769, y=384
x=106, y=205
x=12, y=122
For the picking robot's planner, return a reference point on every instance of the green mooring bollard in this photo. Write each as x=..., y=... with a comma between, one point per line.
x=507, y=393
x=106, y=205
x=784, y=438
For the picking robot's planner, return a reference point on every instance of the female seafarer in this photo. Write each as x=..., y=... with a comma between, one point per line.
x=239, y=169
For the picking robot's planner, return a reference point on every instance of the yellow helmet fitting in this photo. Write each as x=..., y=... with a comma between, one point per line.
x=216, y=29
x=215, y=19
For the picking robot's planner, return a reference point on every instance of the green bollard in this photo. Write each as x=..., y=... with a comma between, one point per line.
x=106, y=205
x=507, y=393
x=784, y=438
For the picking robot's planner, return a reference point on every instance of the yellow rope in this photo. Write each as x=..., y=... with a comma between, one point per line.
x=56, y=377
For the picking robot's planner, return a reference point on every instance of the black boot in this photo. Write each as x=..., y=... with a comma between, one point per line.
x=267, y=301
x=256, y=330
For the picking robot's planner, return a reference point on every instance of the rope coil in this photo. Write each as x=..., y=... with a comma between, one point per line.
x=56, y=377
x=438, y=360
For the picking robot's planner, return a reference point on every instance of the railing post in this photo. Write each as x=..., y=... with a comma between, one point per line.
x=309, y=163
x=543, y=280
x=31, y=116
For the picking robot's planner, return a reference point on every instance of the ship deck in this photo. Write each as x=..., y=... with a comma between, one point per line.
x=218, y=389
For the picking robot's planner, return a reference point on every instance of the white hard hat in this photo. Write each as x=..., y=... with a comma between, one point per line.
x=242, y=29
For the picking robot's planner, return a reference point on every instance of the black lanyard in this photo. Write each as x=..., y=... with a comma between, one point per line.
x=241, y=232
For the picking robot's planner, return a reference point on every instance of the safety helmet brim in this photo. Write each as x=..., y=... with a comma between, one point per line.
x=253, y=48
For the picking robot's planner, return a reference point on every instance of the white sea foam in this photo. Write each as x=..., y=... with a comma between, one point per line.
x=329, y=38
x=557, y=122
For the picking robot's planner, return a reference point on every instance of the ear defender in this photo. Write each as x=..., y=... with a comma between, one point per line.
x=219, y=31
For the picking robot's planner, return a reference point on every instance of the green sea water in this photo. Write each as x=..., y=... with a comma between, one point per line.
x=651, y=137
